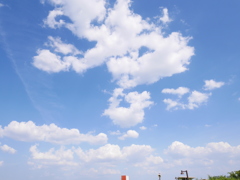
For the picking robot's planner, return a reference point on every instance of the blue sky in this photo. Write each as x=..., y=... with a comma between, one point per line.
x=93, y=89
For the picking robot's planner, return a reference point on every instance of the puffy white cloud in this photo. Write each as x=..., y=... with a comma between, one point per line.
x=49, y=62
x=131, y=116
x=171, y=104
x=133, y=154
x=179, y=91
x=143, y=128
x=115, y=132
x=179, y=149
x=61, y=47
x=211, y=84
x=129, y=134
x=108, y=158
x=120, y=35
x=51, y=19
x=8, y=149
x=28, y=131
x=165, y=18
x=53, y=157
x=196, y=99
x=216, y=152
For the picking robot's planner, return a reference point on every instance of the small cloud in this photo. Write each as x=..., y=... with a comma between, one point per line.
x=115, y=133
x=142, y=128
x=239, y=99
x=129, y=134
x=211, y=84
x=195, y=99
x=155, y=125
x=1, y=163
x=1, y=5
x=179, y=91
x=8, y=149
x=165, y=18
x=207, y=125
x=126, y=117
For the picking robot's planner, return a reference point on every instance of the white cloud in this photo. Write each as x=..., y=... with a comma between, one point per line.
x=212, y=152
x=28, y=131
x=171, y=104
x=133, y=154
x=108, y=158
x=131, y=116
x=61, y=47
x=211, y=84
x=49, y=62
x=120, y=35
x=179, y=91
x=53, y=157
x=8, y=149
x=51, y=19
x=115, y=132
x=1, y=163
x=129, y=134
x=142, y=128
x=165, y=18
x=195, y=99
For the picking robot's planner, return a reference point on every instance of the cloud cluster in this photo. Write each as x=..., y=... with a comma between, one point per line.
x=105, y=156
x=127, y=116
x=29, y=131
x=194, y=100
x=212, y=153
x=136, y=51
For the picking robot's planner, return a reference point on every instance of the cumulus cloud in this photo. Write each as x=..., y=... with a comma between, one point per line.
x=120, y=35
x=131, y=116
x=214, y=152
x=115, y=132
x=51, y=19
x=179, y=91
x=102, y=158
x=143, y=128
x=49, y=62
x=60, y=47
x=194, y=100
x=211, y=84
x=8, y=149
x=129, y=134
x=53, y=157
x=28, y=131
x=165, y=18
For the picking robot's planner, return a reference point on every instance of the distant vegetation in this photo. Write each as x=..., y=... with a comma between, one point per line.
x=234, y=175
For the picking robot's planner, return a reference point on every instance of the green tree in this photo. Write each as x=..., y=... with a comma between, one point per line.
x=235, y=174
